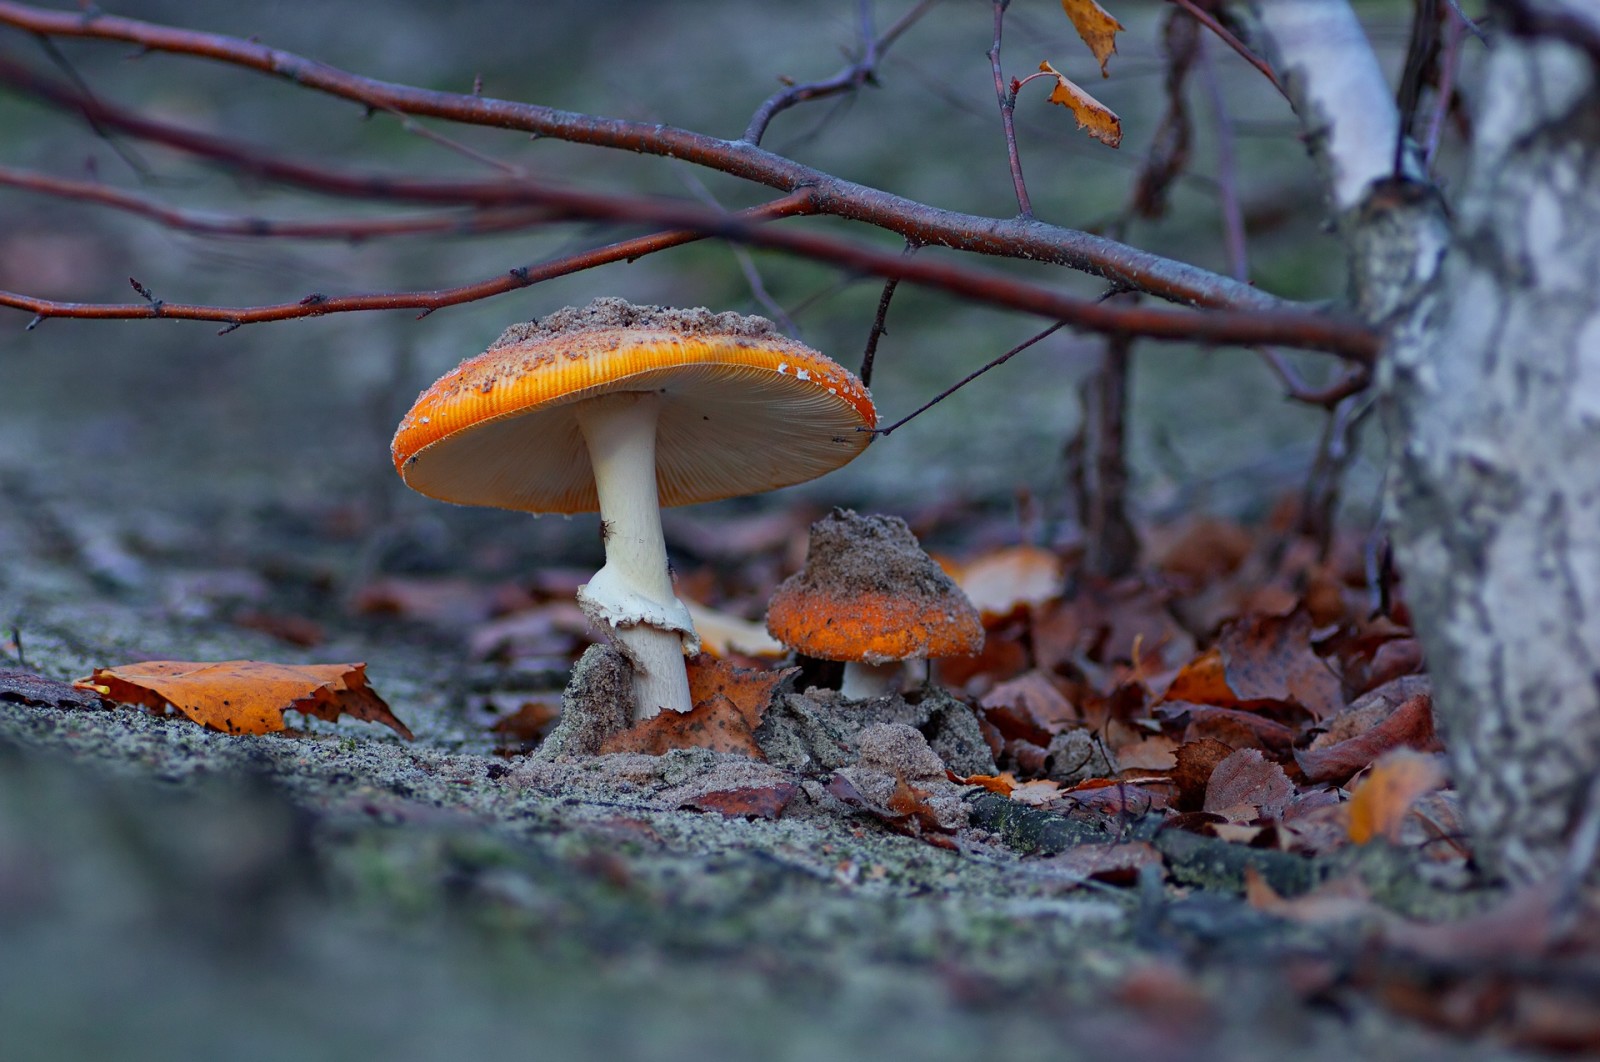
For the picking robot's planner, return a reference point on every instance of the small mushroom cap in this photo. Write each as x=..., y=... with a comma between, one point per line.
x=744, y=409
x=869, y=593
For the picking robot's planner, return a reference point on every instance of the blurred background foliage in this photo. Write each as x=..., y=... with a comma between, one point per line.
x=167, y=415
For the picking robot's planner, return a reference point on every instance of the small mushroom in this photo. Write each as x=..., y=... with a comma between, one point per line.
x=625, y=408
x=869, y=596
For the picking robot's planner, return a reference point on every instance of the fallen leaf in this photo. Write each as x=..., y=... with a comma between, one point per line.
x=1002, y=783
x=1262, y=661
x=1092, y=115
x=530, y=722
x=1029, y=706
x=1192, y=773
x=246, y=696
x=1097, y=28
x=997, y=583
x=1408, y=726
x=1244, y=786
x=1381, y=802
x=717, y=724
x=749, y=802
x=750, y=689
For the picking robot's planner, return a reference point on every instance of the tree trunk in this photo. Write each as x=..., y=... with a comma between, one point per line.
x=1494, y=403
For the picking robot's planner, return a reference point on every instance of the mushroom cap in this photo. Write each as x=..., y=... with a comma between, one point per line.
x=745, y=409
x=869, y=593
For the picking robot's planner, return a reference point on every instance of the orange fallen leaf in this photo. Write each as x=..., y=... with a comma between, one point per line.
x=1092, y=115
x=1380, y=804
x=1002, y=783
x=728, y=705
x=246, y=696
x=1262, y=661
x=1097, y=28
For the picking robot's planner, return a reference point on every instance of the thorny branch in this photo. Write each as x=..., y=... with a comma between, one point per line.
x=1014, y=238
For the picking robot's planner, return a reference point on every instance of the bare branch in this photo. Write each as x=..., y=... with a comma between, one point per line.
x=861, y=72
x=1209, y=21
x=209, y=224
x=1015, y=238
x=1007, y=98
x=971, y=376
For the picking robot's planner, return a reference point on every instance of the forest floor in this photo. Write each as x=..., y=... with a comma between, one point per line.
x=333, y=891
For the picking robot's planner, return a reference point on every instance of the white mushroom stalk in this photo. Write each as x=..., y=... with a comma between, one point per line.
x=862, y=681
x=632, y=594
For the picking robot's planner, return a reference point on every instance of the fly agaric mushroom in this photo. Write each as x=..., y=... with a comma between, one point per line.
x=869, y=596
x=622, y=409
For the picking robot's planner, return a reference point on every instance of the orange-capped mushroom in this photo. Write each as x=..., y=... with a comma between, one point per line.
x=625, y=408
x=870, y=596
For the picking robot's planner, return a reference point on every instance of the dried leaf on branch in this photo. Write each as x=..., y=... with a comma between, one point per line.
x=1097, y=28
x=1093, y=116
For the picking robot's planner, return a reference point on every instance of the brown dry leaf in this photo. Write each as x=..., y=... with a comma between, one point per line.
x=1092, y=115
x=1195, y=762
x=1033, y=704
x=1097, y=28
x=1002, y=783
x=246, y=696
x=728, y=704
x=1266, y=661
x=748, y=802
x=1244, y=786
x=1408, y=726
x=751, y=689
x=717, y=724
x=1380, y=804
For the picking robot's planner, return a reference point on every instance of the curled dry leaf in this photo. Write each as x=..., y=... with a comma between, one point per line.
x=246, y=696
x=1410, y=725
x=1381, y=802
x=1097, y=28
x=1093, y=116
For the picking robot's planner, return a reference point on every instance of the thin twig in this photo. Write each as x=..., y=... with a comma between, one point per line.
x=1468, y=22
x=747, y=264
x=1446, y=89
x=971, y=376
x=1007, y=99
x=1353, y=382
x=880, y=326
x=861, y=72
x=1227, y=171
x=1209, y=21
x=208, y=224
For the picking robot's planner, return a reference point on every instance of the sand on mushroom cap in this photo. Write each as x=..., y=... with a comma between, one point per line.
x=868, y=595
x=623, y=408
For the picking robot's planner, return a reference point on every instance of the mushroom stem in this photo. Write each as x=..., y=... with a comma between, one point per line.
x=862, y=680
x=632, y=594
